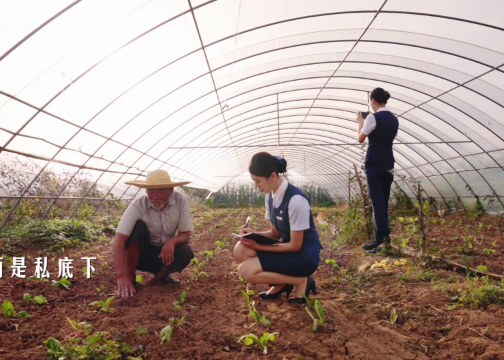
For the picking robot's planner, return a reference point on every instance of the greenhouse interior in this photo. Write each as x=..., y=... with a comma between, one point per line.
x=141, y=139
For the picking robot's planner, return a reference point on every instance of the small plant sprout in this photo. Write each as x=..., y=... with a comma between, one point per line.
x=54, y=349
x=39, y=299
x=141, y=331
x=310, y=303
x=178, y=304
x=208, y=253
x=64, y=283
x=262, y=342
x=393, y=316
x=260, y=319
x=82, y=327
x=320, y=313
x=333, y=263
x=139, y=279
x=105, y=305
x=166, y=333
x=37, y=278
x=249, y=292
x=8, y=310
x=196, y=268
x=178, y=322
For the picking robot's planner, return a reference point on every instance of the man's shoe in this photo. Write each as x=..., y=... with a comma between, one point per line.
x=168, y=280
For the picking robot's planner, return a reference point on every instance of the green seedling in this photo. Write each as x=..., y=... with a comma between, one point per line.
x=166, y=333
x=482, y=268
x=39, y=299
x=393, y=316
x=8, y=310
x=262, y=342
x=63, y=283
x=260, y=319
x=139, y=279
x=141, y=331
x=249, y=292
x=197, y=265
x=105, y=305
x=310, y=303
x=489, y=252
x=333, y=263
x=178, y=304
x=178, y=322
x=36, y=278
x=82, y=327
x=208, y=253
x=320, y=313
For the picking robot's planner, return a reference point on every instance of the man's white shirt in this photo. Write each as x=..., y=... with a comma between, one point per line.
x=162, y=224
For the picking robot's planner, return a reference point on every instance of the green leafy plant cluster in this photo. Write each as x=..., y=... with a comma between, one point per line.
x=178, y=304
x=316, y=305
x=52, y=235
x=197, y=265
x=481, y=292
x=104, y=305
x=262, y=342
x=97, y=346
x=64, y=283
x=38, y=299
x=8, y=310
x=260, y=319
x=415, y=274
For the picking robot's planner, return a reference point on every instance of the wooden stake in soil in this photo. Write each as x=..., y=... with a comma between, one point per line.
x=367, y=207
x=421, y=221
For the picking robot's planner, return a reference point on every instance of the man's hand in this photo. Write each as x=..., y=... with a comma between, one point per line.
x=124, y=286
x=167, y=252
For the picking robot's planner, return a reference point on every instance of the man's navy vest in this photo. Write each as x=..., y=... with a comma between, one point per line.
x=381, y=138
x=280, y=218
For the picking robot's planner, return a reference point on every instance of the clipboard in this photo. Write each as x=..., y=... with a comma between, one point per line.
x=260, y=239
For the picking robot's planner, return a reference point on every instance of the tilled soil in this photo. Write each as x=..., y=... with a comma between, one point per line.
x=357, y=308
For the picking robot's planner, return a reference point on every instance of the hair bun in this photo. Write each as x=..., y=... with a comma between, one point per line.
x=387, y=95
x=281, y=164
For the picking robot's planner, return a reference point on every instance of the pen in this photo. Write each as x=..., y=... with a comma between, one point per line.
x=248, y=221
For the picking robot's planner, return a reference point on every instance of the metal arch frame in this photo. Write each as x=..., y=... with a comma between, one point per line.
x=417, y=60
x=354, y=162
x=415, y=150
x=408, y=13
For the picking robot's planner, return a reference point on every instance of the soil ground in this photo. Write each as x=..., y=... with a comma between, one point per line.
x=357, y=304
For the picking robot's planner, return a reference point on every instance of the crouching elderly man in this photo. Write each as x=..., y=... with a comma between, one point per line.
x=145, y=238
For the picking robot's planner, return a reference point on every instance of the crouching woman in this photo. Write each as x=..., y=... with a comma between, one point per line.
x=290, y=263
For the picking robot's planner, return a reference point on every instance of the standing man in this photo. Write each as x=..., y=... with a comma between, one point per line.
x=146, y=238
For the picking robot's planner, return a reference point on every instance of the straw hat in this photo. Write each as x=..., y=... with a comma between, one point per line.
x=156, y=179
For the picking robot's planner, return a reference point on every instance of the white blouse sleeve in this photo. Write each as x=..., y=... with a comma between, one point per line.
x=299, y=213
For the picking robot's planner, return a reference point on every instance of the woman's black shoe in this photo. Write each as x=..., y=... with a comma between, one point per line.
x=286, y=289
x=310, y=286
x=376, y=244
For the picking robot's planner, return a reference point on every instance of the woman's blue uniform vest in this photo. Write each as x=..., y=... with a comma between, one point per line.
x=381, y=138
x=280, y=218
